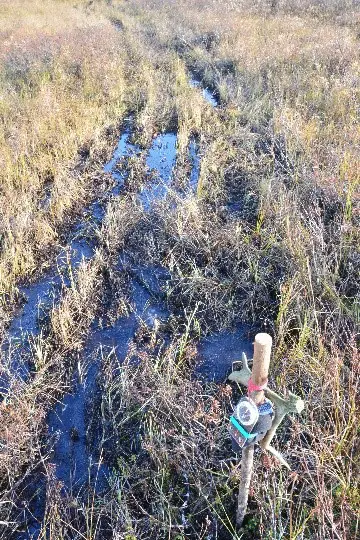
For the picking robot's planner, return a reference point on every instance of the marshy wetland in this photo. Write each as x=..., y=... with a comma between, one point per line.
x=175, y=177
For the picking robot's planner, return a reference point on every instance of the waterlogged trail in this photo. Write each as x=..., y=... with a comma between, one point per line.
x=77, y=464
x=40, y=296
x=68, y=422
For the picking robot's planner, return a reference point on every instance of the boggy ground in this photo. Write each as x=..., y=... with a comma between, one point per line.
x=264, y=232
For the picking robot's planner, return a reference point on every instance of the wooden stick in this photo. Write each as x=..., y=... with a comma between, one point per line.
x=247, y=459
x=261, y=363
x=259, y=376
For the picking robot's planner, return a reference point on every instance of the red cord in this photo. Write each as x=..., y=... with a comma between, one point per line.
x=254, y=387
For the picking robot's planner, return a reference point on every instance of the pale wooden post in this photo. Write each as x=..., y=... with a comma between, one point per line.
x=259, y=376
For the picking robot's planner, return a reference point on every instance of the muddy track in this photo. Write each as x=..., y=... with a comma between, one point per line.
x=71, y=422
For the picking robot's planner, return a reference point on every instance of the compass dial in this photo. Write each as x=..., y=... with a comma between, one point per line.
x=247, y=412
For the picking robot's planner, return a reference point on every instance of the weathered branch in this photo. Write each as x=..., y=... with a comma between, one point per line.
x=247, y=460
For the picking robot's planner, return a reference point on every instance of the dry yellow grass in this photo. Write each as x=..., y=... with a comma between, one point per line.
x=56, y=98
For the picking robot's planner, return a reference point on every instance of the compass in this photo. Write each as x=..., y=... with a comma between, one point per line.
x=247, y=412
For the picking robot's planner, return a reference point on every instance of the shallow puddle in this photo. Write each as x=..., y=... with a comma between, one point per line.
x=124, y=149
x=218, y=351
x=160, y=161
x=195, y=160
x=76, y=465
x=208, y=95
x=40, y=297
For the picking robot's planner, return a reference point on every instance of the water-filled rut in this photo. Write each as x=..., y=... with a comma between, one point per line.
x=45, y=293
x=76, y=465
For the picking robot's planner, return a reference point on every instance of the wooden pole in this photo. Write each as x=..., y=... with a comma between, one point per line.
x=259, y=376
x=247, y=459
